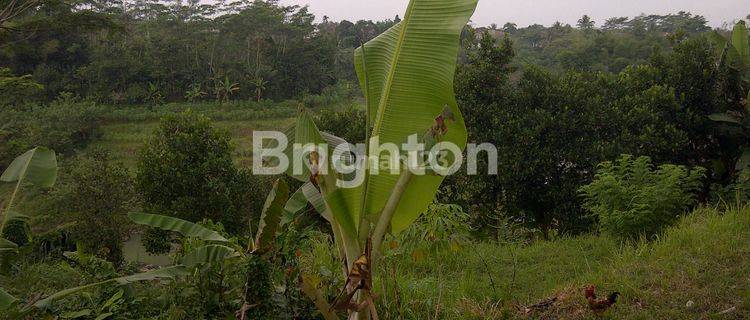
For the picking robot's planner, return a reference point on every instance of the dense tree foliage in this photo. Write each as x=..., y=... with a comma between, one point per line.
x=98, y=195
x=619, y=43
x=64, y=125
x=552, y=130
x=186, y=171
x=154, y=52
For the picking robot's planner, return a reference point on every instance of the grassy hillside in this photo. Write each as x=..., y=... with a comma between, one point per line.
x=124, y=131
x=704, y=260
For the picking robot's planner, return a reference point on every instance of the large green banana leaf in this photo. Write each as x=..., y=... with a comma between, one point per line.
x=740, y=43
x=407, y=73
x=296, y=203
x=38, y=166
x=183, y=227
x=270, y=218
x=316, y=199
x=7, y=301
x=164, y=273
x=208, y=254
x=304, y=132
x=307, y=193
x=409, y=82
x=726, y=118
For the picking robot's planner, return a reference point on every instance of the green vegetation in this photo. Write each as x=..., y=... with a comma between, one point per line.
x=631, y=199
x=126, y=129
x=185, y=170
x=99, y=196
x=698, y=260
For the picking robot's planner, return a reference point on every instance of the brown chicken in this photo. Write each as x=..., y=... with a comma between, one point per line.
x=600, y=305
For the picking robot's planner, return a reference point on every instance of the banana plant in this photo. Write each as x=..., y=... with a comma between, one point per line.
x=407, y=77
x=14, y=308
x=195, y=93
x=225, y=89
x=736, y=55
x=216, y=250
x=37, y=166
x=276, y=212
x=260, y=86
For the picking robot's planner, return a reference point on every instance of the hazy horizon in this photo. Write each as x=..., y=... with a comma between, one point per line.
x=529, y=12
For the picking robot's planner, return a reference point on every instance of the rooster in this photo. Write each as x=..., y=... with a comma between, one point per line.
x=600, y=305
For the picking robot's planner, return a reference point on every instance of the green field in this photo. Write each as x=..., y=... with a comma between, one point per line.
x=124, y=139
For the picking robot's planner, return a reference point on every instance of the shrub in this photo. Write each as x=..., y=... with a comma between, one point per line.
x=259, y=288
x=349, y=123
x=17, y=232
x=17, y=90
x=64, y=126
x=439, y=225
x=98, y=195
x=185, y=170
x=631, y=198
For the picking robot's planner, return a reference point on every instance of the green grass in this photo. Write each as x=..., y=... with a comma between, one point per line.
x=233, y=111
x=705, y=260
x=124, y=140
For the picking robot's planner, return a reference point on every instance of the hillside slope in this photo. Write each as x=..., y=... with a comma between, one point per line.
x=704, y=259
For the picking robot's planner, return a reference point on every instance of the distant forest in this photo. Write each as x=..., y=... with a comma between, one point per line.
x=153, y=52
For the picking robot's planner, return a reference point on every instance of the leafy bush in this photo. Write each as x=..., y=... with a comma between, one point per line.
x=551, y=130
x=18, y=232
x=320, y=261
x=633, y=199
x=259, y=287
x=17, y=90
x=349, y=123
x=98, y=195
x=439, y=225
x=64, y=126
x=185, y=170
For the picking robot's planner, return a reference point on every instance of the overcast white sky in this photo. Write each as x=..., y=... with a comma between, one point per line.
x=526, y=12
